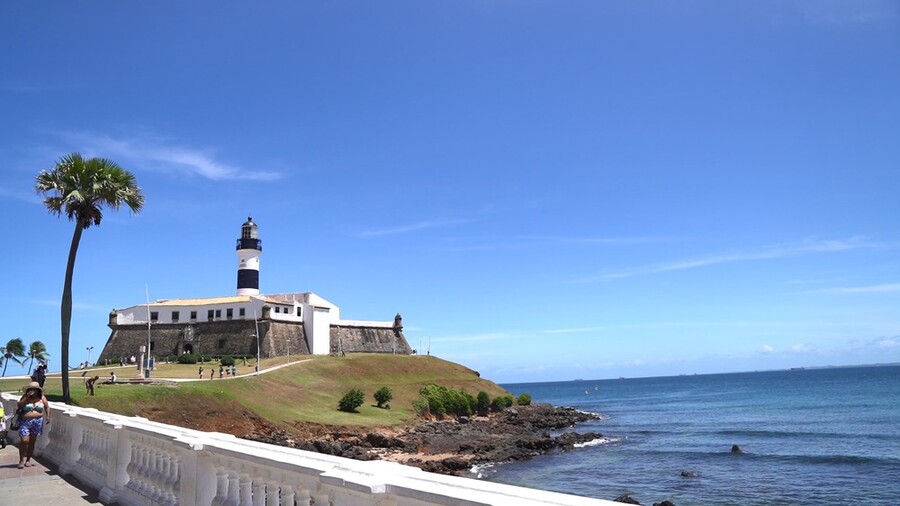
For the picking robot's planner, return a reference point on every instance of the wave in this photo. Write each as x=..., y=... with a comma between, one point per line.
x=794, y=434
x=597, y=442
x=785, y=458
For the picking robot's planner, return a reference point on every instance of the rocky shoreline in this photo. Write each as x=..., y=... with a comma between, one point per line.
x=448, y=446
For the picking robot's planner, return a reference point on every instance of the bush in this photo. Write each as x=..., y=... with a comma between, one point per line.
x=188, y=359
x=501, y=402
x=447, y=401
x=383, y=396
x=483, y=403
x=226, y=360
x=351, y=400
x=524, y=400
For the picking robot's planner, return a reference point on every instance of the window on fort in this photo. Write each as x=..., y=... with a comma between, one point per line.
x=229, y=313
x=298, y=310
x=152, y=345
x=241, y=312
x=221, y=343
x=209, y=314
x=175, y=316
x=193, y=315
x=218, y=313
x=154, y=316
x=277, y=309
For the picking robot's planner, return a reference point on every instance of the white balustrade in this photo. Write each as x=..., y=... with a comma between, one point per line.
x=133, y=461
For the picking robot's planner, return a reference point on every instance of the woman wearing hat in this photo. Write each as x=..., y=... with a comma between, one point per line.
x=33, y=407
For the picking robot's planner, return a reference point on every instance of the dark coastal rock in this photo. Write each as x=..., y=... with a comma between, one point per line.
x=736, y=449
x=626, y=499
x=689, y=474
x=514, y=434
x=664, y=503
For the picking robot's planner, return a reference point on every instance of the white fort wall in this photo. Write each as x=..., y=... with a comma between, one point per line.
x=133, y=461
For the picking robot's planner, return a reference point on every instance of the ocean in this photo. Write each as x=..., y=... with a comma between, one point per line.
x=812, y=436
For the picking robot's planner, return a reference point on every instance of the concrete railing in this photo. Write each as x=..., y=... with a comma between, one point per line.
x=134, y=461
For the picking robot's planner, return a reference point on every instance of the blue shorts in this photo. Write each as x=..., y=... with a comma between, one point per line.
x=31, y=426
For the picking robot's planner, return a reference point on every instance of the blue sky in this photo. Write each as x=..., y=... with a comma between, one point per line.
x=545, y=190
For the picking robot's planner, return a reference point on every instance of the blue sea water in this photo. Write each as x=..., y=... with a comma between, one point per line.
x=814, y=436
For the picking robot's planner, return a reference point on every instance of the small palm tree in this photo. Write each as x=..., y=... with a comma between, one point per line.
x=36, y=350
x=80, y=188
x=12, y=351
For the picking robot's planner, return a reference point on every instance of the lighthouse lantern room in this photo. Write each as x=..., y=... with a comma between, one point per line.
x=249, y=247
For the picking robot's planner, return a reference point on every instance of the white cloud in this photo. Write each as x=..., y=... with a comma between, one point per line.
x=886, y=343
x=883, y=288
x=413, y=227
x=487, y=336
x=766, y=349
x=155, y=154
x=802, y=348
x=770, y=253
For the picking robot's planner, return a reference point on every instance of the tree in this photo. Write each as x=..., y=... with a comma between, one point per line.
x=351, y=400
x=81, y=188
x=383, y=396
x=12, y=351
x=36, y=350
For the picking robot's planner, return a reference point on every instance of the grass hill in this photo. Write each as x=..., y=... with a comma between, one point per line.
x=296, y=398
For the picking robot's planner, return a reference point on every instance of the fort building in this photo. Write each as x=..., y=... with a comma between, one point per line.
x=248, y=322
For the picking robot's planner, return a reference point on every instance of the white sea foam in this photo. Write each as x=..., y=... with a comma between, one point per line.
x=600, y=416
x=597, y=442
x=481, y=470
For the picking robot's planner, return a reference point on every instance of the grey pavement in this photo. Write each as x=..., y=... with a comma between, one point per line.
x=39, y=484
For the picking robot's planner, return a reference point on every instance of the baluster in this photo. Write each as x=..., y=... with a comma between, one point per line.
x=302, y=497
x=221, y=487
x=322, y=500
x=287, y=495
x=272, y=494
x=246, y=490
x=259, y=493
x=233, y=490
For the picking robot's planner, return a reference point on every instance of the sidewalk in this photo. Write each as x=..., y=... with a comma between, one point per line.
x=38, y=485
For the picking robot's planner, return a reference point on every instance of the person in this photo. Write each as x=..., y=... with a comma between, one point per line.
x=233, y=371
x=200, y=372
x=90, y=384
x=40, y=374
x=34, y=408
x=221, y=371
x=112, y=377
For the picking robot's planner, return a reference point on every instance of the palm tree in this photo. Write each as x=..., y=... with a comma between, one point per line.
x=80, y=188
x=12, y=351
x=36, y=350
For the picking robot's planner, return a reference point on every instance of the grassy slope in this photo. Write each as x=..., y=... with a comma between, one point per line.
x=307, y=391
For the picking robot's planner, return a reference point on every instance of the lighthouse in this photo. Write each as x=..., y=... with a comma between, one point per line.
x=249, y=247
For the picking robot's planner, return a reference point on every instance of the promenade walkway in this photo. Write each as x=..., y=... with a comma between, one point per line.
x=39, y=484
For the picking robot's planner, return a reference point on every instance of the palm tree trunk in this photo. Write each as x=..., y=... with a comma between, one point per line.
x=66, y=311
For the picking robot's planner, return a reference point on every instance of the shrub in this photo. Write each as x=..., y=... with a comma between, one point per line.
x=524, y=400
x=442, y=400
x=483, y=403
x=351, y=400
x=501, y=402
x=226, y=360
x=421, y=406
x=187, y=359
x=383, y=396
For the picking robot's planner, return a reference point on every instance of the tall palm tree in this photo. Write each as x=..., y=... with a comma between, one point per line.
x=80, y=188
x=36, y=350
x=12, y=351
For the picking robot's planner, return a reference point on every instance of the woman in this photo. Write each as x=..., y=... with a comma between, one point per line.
x=33, y=407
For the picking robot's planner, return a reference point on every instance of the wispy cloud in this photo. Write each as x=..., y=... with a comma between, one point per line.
x=845, y=12
x=771, y=253
x=766, y=349
x=885, y=343
x=883, y=288
x=802, y=348
x=486, y=336
x=75, y=305
x=412, y=227
x=156, y=154
x=612, y=241
x=31, y=198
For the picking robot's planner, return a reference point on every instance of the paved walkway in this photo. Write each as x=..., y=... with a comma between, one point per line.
x=39, y=484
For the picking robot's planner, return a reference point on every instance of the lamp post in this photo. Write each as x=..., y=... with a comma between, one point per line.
x=141, y=363
x=256, y=324
x=88, y=363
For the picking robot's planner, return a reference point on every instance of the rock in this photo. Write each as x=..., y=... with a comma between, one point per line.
x=664, y=503
x=736, y=449
x=463, y=419
x=690, y=474
x=626, y=499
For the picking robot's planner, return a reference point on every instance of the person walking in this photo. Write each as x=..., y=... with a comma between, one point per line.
x=200, y=372
x=40, y=374
x=34, y=408
x=90, y=384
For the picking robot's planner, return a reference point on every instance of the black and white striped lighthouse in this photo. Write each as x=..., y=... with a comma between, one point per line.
x=249, y=247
